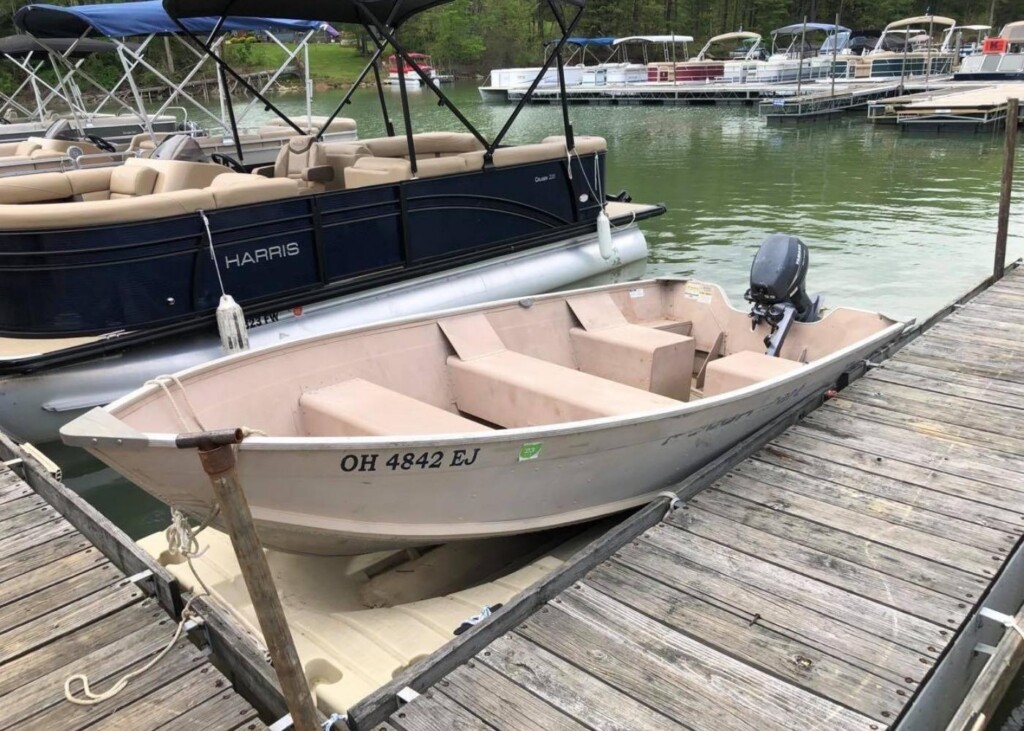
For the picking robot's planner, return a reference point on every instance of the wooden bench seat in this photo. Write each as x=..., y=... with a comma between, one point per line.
x=743, y=369
x=358, y=407
x=512, y=390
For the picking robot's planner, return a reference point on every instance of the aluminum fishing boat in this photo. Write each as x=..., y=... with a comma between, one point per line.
x=493, y=420
x=114, y=275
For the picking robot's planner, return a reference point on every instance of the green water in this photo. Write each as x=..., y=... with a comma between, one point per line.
x=897, y=223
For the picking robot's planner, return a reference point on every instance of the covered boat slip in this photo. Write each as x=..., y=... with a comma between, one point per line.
x=835, y=579
x=454, y=426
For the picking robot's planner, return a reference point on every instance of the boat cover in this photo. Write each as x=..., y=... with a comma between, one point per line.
x=22, y=45
x=119, y=20
x=797, y=28
x=391, y=12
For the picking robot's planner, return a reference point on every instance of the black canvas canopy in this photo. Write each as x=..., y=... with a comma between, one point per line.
x=388, y=12
x=22, y=45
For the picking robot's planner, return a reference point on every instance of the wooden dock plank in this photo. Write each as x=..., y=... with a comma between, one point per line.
x=770, y=651
x=869, y=583
x=941, y=380
x=842, y=606
x=50, y=627
x=436, y=712
x=788, y=615
x=884, y=521
x=49, y=574
x=580, y=695
x=41, y=534
x=167, y=702
x=870, y=471
x=56, y=596
x=26, y=521
x=42, y=555
x=24, y=504
x=843, y=545
x=223, y=712
x=673, y=672
x=938, y=425
x=964, y=500
x=499, y=702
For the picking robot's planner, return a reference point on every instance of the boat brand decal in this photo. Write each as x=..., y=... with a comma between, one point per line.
x=697, y=291
x=636, y=293
x=267, y=253
x=409, y=461
x=545, y=178
x=530, y=450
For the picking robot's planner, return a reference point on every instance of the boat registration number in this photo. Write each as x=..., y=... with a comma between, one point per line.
x=406, y=461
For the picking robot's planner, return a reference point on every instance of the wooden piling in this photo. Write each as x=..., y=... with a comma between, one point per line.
x=217, y=453
x=1006, y=192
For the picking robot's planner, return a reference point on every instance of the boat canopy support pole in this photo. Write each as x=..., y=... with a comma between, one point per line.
x=231, y=115
x=387, y=33
x=128, y=75
x=570, y=138
x=11, y=102
x=290, y=55
x=407, y=116
x=205, y=45
x=566, y=31
x=372, y=64
x=388, y=124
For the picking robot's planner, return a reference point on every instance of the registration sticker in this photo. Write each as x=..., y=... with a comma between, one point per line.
x=636, y=293
x=698, y=291
x=530, y=450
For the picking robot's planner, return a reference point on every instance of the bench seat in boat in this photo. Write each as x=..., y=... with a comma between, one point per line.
x=511, y=390
x=743, y=369
x=358, y=407
x=611, y=347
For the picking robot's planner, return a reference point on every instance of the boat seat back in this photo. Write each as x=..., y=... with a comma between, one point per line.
x=643, y=357
x=343, y=155
x=27, y=147
x=512, y=390
x=338, y=124
x=39, y=188
x=177, y=175
x=426, y=144
x=585, y=144
x=239, y=189
x=299, y=158
x=130, y=182
x=360, y=408
x=742, y=369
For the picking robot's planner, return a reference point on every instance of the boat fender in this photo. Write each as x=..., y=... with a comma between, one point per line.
x=604, y=235
x=234, y=336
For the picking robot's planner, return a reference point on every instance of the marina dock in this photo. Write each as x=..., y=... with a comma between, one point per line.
x=973, y=107
x=77, y=596
x=855, y=571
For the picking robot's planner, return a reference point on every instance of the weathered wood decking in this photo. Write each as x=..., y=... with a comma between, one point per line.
x=66, y=609
x=832, y=580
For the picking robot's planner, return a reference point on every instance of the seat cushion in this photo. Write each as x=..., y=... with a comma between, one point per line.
x=129, y=182
x=377, y=171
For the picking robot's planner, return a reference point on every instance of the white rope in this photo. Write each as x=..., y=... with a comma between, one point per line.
x=182, y=540
x=161, y=381
x=89, y=698
x=673, y=501
x=213, y=255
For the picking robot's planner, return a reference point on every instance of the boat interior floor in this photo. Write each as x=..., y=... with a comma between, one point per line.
x=621, y=350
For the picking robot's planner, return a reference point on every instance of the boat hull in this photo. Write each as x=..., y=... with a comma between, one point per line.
x=338, y=497
x=34, y=406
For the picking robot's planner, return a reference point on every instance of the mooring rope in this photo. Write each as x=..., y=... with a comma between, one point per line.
x=161, y=381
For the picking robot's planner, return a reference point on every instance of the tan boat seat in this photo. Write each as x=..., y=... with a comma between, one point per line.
x=39, y=188
x=611, y=347
x=512, y=390
x=585, y=144
x=360, y=408
x=238, y=189
x=743, y=369
x=132, y=181
x=305, y=160
x=426, y=144
x=377, y=171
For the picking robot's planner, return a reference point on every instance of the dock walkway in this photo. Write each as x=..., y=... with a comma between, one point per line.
x=965, y=105
x=835, y=579
x=65, y=609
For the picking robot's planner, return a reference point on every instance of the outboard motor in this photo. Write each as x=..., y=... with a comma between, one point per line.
x=179, y=147
x=777, y=293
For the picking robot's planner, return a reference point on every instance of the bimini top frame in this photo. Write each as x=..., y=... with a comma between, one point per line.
x=381, y=19
x=927, y=23
x=148, y=19
x=65, y=56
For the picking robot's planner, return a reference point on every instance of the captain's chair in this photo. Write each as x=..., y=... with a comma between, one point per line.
x=303, y=159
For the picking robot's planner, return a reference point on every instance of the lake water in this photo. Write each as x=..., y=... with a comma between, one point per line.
x=895, y=222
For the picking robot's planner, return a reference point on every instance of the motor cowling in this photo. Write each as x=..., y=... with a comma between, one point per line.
x=777, y=291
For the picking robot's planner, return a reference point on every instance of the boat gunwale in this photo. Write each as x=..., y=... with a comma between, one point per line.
x=134, y=438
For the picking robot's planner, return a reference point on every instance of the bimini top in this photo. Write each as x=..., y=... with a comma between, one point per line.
x=118, y=20
x=921, y=20
x=797, y=28
x=390, y=12
x=22, y=45
x=1013, y=32
x=654, y=39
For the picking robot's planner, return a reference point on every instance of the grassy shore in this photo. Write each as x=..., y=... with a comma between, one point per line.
x=329, y=63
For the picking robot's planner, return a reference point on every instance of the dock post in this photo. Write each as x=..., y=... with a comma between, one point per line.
x=217, y=454
x=1006, y=192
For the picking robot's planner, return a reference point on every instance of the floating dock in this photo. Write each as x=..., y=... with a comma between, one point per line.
x=966, y=106
x=855, y=571
x=815, y=103
x=77, y=596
